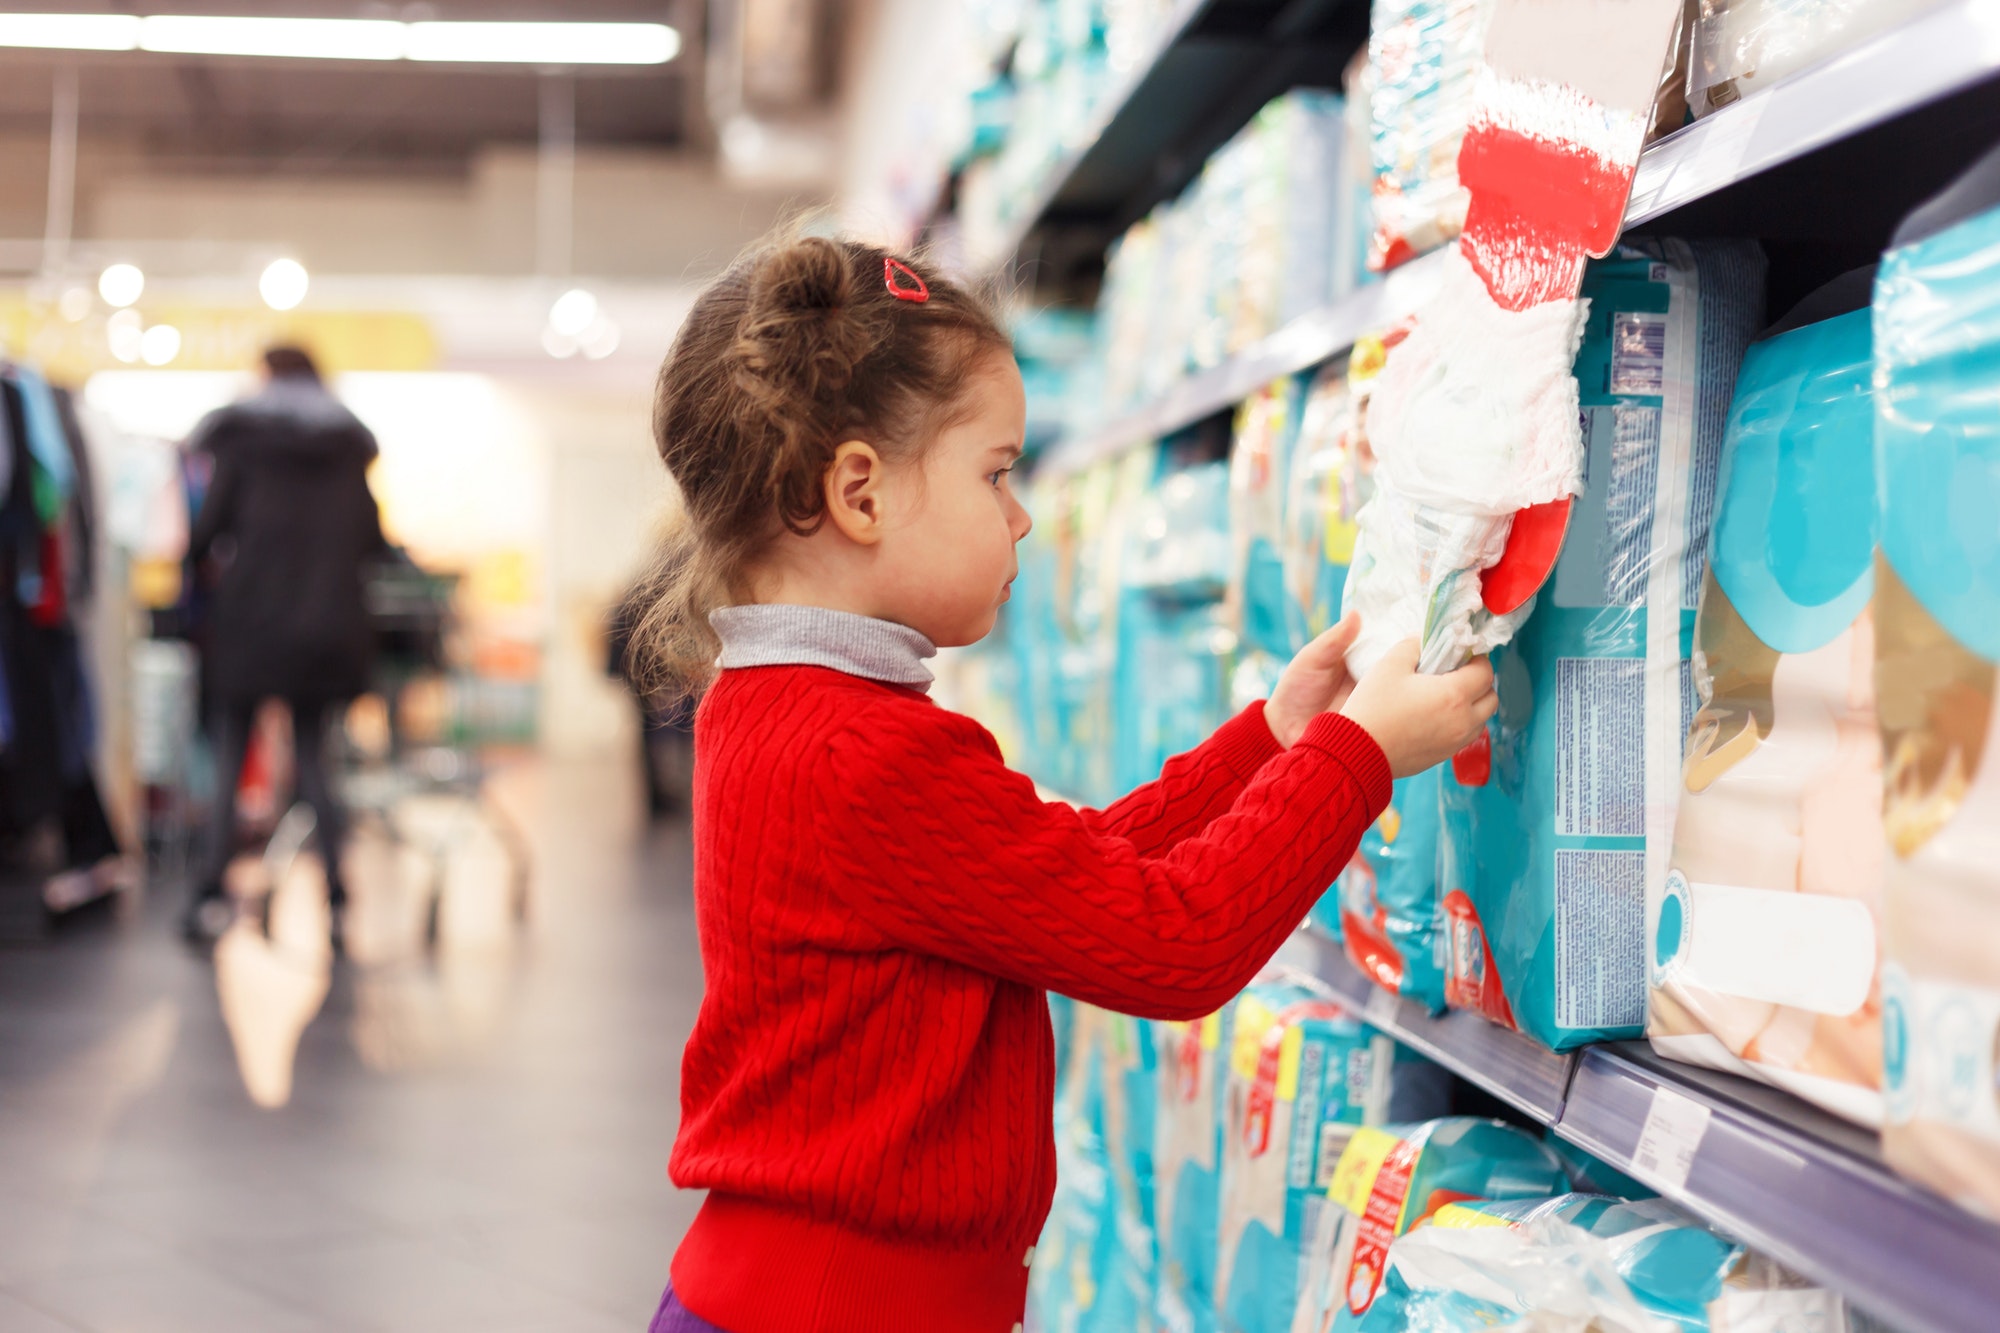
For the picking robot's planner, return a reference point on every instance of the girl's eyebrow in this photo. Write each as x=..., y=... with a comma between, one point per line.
x=1008, y=451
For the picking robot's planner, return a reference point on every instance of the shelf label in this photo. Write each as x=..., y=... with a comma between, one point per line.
x=1674, y=1128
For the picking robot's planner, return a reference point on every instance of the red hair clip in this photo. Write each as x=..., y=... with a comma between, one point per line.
x=918, y=293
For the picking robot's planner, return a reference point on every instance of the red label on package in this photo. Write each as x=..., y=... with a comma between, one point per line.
x=1262, y=1105
x=1377, y=1228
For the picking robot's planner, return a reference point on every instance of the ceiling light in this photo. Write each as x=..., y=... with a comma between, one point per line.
x=601, y=340
x=561, y=346
x=573, y=312
x=283, y=284
x=124, y=333
x=159, y=344
x=348, y=39
x=545, y=43
x=70, y=32
x=121, y=284
x=75, y=304
x=330, y=39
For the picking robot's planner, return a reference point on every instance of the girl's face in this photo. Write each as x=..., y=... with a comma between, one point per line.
x=947, y=561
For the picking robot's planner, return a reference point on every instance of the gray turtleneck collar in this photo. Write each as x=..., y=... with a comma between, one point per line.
x=779, y=635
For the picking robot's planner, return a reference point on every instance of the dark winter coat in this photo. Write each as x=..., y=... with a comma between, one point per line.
x=291, y=523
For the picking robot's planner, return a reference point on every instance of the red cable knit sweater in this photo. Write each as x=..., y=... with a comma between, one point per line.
x=869, y=1088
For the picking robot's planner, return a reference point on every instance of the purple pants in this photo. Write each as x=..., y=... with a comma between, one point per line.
x=677, y=1318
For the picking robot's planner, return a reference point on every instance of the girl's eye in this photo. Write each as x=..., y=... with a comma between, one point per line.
x=993, y=479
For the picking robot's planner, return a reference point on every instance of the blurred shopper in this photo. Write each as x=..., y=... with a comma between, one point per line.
x=289, y=527
x=867, y=1093
x=666, y=723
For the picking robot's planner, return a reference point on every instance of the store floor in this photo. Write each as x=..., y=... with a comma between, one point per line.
x=461, y=1133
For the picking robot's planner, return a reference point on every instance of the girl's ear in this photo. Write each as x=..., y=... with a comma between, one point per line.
x=854, y=492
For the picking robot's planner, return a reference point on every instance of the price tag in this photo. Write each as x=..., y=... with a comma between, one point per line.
x=1381, y=1008
x=1672, y=1135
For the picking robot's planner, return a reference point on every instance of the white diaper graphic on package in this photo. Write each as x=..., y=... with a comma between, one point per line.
x=1473, y=418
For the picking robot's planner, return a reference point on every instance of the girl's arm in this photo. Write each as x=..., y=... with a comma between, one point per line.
x=1192, y=789
x=1197, y=786
x=936, y=843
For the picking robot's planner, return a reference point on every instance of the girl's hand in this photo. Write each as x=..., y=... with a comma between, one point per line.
x=1317, y=681
x=1420, y=720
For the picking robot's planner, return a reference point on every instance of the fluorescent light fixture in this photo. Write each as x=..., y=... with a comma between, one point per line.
x=70, y=32
x=283, y=284
x=348, y=39
x=546, y=43
x=330, y=39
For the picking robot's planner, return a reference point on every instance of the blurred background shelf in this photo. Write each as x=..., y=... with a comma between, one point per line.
x=1218, y=63
x=1803, y=1186
x=1782, y=165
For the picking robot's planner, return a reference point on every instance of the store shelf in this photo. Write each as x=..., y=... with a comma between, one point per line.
x=1518, y=1070
x=1907, y=69
x=1786, y=1179
x=1806, y=141
x=1300, y=345
x=1217, y=63
x=1776, y=1173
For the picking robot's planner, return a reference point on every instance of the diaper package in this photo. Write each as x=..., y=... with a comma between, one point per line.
x=1763, y=934
x=1390, y=1180
x=1389, y=916
x=1582, y=1260
x=1077, y=1249
x=1304, y=1074
x=1742, y=47
x=1187, y=1157
x=1269, y=626
x=1423, y=56
x=1937, y=643
x=1131, y=1102
x=1551, y=836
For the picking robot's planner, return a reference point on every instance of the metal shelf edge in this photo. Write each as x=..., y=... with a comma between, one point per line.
x=1895, y=1248
x=1517, y=1069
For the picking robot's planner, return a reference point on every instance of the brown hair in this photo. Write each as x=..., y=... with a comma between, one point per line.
x=799, y=346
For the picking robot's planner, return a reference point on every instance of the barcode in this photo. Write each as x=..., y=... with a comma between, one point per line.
x=1638, y=353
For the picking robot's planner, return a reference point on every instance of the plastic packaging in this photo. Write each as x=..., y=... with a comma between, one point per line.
x=1937, y=643
x=1584, y=1261
x=1389, y=920
x=1551, y=836
x=1763, y=935
x=1423, y=56
x=1390, y=1180
x=1303, y=1076
x=1742, y=47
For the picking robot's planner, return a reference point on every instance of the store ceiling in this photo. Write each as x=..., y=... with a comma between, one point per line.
x=212, y=113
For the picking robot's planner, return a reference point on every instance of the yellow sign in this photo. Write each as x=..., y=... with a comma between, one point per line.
x=219, y=338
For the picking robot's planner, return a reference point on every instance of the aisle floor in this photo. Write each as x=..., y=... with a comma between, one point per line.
x=473, y=1133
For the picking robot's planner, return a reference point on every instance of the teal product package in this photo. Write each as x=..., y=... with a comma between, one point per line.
x=1583, y=1260
x=1763, y=937
x=1388, y=894
x=1192, y=1063
x=1131, y=1104
x=1077, y=1251
x=1304, y=1074
x=1937, y=668
x=1393, y=1178
x=1551, y=837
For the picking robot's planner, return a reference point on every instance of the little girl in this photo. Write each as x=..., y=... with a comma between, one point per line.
x=868, y=1093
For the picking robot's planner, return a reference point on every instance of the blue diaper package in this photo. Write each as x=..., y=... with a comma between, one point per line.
x=1192, y=1063
x=1389, y=922
x=1304, y=1074
x=1550, y=839
x=1937, y=668
x=1585, y=1260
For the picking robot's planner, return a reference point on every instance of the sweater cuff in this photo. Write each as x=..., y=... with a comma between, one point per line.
x=1348, y=744
x=1245, y=743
